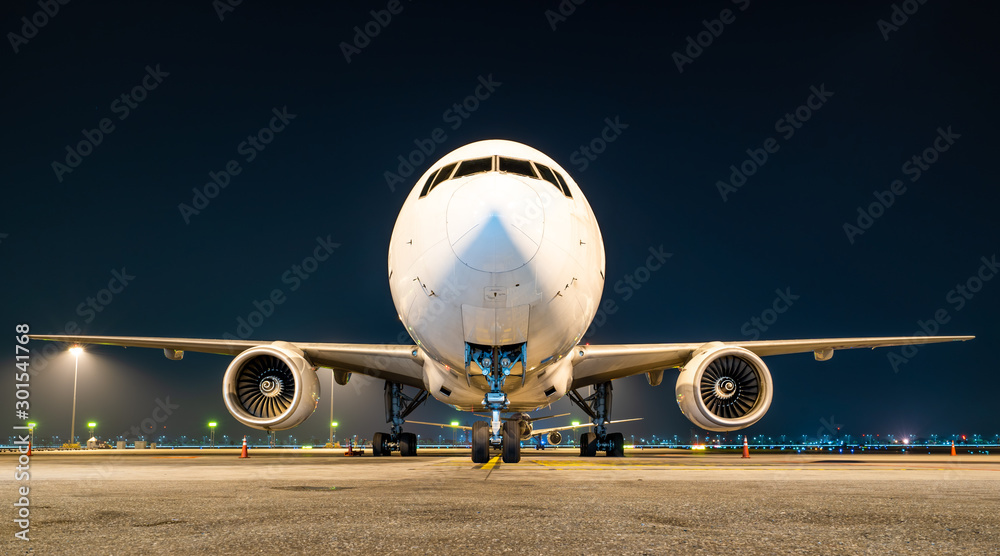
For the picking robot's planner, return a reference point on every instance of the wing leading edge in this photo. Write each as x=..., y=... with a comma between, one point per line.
x=397, y=363
x=601, y=363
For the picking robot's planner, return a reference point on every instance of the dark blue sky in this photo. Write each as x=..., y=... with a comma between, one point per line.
x=881, y=103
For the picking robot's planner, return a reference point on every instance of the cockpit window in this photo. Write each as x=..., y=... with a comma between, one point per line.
x=436, y=178
x=553, y=177
x=474, y=166
x=516, y=166
x=427, y=184
x=562, y=183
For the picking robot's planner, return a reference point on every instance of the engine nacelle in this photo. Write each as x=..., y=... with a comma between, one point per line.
x=724, y=388
x=272, y=387
x=555, y=437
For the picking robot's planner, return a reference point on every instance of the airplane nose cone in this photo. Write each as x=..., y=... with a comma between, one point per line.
x=495, y=223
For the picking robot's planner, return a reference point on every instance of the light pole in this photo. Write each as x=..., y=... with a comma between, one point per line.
x=31, y=434
x=333, y=424
x=333, y=428
x=76, y=351
x=91, y=425
x=454, y=433
x=211, y=428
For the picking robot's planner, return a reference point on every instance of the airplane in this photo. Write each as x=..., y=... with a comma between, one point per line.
x=496, y=267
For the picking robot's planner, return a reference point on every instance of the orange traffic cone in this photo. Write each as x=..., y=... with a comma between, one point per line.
x=244, y=454
x=29, y=448
x=746, y=448
x=953, y=448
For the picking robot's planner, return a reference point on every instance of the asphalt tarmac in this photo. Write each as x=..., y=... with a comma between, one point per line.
x=651, y=502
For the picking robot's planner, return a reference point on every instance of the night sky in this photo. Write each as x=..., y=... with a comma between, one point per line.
x=843, y=102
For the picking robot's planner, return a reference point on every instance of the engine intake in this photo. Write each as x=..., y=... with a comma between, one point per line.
x=272, y=387
x=724, y=388
x=555, y=437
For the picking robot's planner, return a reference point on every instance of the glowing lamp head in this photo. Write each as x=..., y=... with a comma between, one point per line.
x=212, y=424
x=333, y=424
x=76, y=351
x=454, y=423
x=91, y=425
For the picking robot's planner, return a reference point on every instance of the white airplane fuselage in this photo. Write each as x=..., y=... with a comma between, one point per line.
x=496, y=258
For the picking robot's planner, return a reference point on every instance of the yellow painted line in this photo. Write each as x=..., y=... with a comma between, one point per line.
x=492, y=463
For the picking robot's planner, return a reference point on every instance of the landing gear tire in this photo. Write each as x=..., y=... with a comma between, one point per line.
x=379, y=447
x=480, y=442
x=616, y=445
x=588, y=445
x=511, y=442
x=407, y=444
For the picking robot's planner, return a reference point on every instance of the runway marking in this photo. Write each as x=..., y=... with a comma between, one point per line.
x=176, y=457
x=493, y=463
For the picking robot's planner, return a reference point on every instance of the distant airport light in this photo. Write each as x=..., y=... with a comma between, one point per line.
x=76, y=350
x=454, y=423
x=212, y=424
x=91, y=425
x=576, y=423
x=32, y=425
x=333, y=424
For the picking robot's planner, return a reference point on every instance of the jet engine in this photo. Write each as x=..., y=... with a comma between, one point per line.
x=271, y=387
x=724, y=388
x=555, y=437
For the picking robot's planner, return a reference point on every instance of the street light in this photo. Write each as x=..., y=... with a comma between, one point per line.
x=454, y=433
x=211, y=427
x=91, y=425
x=31, y=434
x=333, y=427
x=76, y=351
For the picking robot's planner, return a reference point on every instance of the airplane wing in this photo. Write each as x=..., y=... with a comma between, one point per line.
x=442, y=425
x=601, y=363
x=569, y=427
x=397, y=363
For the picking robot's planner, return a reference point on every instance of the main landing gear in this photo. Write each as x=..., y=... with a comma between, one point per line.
x=397, y=406
x=598, y=407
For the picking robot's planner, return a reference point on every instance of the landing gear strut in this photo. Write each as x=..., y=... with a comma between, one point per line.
x=598, y=407
x=495, y=363
x=397, y=406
